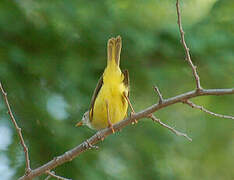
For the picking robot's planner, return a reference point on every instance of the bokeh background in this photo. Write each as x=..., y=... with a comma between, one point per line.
x=53, y=52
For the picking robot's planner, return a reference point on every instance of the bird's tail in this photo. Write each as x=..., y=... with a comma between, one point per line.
x=114, y=49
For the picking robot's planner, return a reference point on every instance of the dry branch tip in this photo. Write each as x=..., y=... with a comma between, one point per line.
x=151, y=116
x=18, y=129
x=188, y=57
x=193, y=105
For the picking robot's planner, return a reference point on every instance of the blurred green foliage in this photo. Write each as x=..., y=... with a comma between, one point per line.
x=53, y=52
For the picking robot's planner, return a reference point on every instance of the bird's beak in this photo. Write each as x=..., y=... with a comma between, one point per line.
x=79, y=124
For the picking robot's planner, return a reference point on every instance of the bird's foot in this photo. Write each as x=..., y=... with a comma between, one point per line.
x=134, y=121
x=88, y=145
x=99, y=136
x=110, y=125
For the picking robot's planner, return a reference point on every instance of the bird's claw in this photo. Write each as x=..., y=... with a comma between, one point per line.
x=134, y=121
x=87, y=145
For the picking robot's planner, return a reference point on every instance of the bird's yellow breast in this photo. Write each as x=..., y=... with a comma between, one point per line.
x=111, y=92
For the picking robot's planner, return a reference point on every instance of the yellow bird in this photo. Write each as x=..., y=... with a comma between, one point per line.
x=110, y=101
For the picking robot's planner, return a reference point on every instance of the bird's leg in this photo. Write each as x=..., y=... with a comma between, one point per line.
x=129, y=103
x=110, y=125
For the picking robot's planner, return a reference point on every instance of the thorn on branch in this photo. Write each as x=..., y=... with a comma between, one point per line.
x=151, y=116
x=156, y=89
x=191, y=104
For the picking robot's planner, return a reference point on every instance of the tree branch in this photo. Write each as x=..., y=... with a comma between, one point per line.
x=100, y=135
x=52, y=174
x=4, y=94
x=76, y=151
x=156, y=89
x=190, y=103
x=169, y=127
x=188, y=57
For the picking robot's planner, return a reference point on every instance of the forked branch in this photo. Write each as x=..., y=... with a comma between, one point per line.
x=146, y=113
x=100, y=135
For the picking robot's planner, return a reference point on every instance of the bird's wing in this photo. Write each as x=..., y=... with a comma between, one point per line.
x=126, y=79
x=95, y=94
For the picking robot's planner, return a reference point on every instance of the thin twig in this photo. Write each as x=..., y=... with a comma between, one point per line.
x=48, y=177
x=79, y=149
x=151, y=116
x=28, y=169
x=190, y=103
x=188, y=57
x=52, y=174
x=156, y=89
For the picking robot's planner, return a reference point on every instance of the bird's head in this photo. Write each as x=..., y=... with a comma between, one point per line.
x=85, y=120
